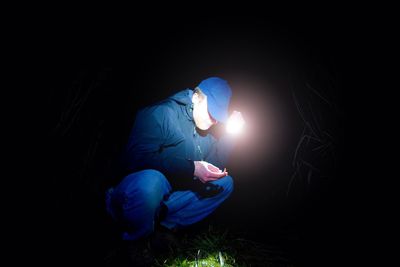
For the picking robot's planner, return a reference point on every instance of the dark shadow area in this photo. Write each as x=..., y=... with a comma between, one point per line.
x=288, y=79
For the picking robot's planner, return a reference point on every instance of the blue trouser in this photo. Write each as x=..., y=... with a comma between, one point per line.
x=137, y=200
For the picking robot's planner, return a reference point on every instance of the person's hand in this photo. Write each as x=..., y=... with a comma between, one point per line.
x=235, y=123
x=207, y=172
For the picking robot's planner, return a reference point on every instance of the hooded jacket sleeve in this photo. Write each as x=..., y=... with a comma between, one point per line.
x=152, y=132
x=220, y=150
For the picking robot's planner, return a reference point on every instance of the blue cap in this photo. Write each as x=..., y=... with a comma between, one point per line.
x=218, y=94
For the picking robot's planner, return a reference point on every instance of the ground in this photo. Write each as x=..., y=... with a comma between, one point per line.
x=214, y=246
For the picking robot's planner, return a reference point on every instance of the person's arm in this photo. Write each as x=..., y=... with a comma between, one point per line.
x=221, y=150
x=154, y=130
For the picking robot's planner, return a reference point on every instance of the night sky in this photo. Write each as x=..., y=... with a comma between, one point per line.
x=289, y=79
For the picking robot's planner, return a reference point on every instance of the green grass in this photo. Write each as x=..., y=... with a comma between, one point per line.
x=216, y=247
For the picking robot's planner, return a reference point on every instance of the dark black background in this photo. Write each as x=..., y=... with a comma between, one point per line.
x=90, y=78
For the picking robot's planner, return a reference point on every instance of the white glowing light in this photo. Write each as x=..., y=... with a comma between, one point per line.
x=235, y=124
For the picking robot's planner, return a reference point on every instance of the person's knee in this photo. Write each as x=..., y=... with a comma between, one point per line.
x=152, y=177
x=147, y=187
x=227, y=184
x=152, y=187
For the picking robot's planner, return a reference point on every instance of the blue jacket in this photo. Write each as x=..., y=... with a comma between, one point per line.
x=164, y=138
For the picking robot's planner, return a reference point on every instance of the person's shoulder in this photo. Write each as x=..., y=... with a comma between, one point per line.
x=166, y=106
x=160, y=109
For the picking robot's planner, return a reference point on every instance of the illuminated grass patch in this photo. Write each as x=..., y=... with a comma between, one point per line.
x=221, y=248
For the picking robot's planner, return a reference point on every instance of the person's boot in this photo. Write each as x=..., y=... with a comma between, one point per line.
x=164, y=240
x=138, y=253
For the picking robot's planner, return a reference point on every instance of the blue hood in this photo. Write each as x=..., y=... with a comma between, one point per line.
x=184, y=99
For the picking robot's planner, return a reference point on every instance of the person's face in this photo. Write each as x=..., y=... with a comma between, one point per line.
x=201, y=116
